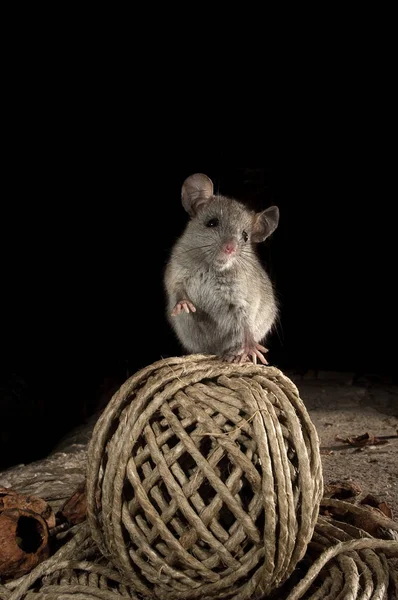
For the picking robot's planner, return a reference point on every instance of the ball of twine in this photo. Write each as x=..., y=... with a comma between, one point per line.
x=342, y=561
x=204, y=479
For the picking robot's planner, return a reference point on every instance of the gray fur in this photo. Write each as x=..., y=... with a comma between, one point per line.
x=234, y=298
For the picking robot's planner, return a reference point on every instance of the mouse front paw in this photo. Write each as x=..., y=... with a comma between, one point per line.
x=183, y=306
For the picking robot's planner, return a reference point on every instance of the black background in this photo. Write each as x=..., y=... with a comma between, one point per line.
x=86, y=233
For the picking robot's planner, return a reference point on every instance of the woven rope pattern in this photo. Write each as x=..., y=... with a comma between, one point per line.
x=204, y=479
x=196, y=462
x=342, y=561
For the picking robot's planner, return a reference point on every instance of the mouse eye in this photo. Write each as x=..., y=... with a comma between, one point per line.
x=245, y=236
x=212, y=222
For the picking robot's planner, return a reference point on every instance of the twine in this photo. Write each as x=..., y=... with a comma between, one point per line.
x=349, y=568
x=204, y=479
x=67, y=574
x=341, y=562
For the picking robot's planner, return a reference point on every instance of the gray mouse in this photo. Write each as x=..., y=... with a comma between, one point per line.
x=220, y=299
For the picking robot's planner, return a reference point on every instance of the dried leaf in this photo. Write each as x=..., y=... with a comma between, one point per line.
x=341, y=490
x=74, y=509
x=385, y=509
x=374, y=502
x=361, y=440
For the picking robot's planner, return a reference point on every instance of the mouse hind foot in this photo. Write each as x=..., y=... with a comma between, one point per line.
x=248, y=353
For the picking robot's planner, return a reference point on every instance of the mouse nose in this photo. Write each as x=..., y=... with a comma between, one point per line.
x=229, y=248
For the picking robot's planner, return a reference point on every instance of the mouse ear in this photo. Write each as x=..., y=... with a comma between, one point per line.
x=196, y=190
x=265, y=223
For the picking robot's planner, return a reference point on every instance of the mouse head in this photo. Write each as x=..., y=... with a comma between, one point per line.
x=225, y=227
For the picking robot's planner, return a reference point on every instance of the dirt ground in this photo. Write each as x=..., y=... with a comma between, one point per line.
x=340, y=406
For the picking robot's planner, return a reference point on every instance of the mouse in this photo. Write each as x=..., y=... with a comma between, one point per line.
x=220, y=299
